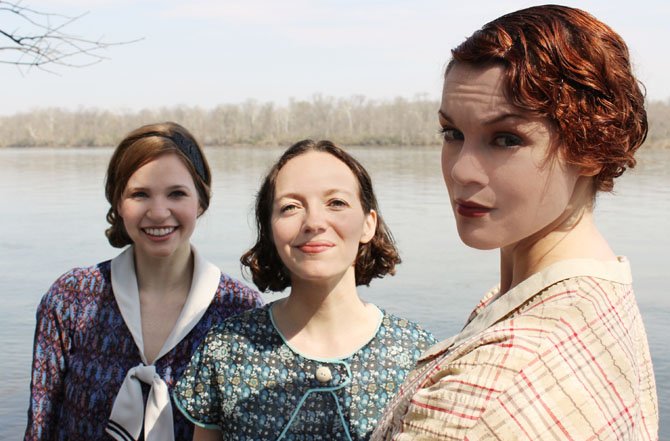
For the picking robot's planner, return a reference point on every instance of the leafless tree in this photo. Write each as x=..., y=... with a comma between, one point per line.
x=36, y=39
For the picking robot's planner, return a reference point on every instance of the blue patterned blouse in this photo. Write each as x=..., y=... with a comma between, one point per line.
x=248, y=382
x=83, y=350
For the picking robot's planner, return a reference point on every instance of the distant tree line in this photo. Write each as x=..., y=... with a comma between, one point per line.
x=659, y=124
x=349, y=121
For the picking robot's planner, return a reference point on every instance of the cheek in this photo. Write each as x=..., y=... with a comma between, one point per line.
x=560, y=185
x=280, y=231
x=540, y=199
x=352, y=228
x=195, y=210
x=125, y=211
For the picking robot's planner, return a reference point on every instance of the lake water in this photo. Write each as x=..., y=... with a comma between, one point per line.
x=53, y=218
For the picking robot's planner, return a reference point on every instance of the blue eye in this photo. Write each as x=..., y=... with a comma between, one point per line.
x=449, y=134
x=138, y=194
x=507, y=140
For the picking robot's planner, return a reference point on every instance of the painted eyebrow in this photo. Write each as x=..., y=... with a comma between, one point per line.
x=494, y=120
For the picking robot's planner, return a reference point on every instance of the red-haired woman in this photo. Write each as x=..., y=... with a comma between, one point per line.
x=115, y=335
x=539, y=113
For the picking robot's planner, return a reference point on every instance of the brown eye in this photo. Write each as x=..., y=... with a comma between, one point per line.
x=178, y=194
x=507, y=141
x=450, y=134
x=338, y=203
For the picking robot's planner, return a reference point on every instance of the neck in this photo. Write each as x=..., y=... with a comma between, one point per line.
x=318, y=303
x=169, y=274
x=574, y=235
x=325, y=320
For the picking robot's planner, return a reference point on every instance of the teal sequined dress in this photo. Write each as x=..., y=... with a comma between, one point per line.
x=248, y=382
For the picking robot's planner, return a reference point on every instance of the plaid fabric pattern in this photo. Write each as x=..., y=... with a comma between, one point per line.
x=571, y=363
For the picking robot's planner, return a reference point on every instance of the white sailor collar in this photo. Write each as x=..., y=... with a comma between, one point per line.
x=127, y=420
x=206, y=277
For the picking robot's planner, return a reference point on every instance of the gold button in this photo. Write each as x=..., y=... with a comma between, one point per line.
x=323, y=374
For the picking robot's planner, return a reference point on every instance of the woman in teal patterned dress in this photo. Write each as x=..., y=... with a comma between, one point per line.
x=321, y=363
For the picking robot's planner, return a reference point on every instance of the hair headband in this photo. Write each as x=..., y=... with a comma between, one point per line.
x=191, y=151
x=187, y=147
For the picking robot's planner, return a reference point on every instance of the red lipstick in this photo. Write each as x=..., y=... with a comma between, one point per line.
x=471, y=209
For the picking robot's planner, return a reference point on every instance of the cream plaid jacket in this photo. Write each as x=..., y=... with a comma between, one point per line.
x=561, y=356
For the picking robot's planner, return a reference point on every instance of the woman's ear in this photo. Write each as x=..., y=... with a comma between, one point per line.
x=369, y=227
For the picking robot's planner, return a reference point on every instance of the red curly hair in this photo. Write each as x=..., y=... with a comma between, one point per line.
x=563, y=64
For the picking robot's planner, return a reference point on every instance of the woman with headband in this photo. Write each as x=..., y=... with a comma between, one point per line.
x=115, y=335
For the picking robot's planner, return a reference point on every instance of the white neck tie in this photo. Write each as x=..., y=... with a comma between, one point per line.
x=125, y=422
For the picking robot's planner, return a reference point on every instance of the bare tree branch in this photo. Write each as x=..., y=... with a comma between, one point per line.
x=39, y=40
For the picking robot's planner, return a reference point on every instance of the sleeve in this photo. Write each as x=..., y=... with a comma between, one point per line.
x=414, y=339
x=199, y=392
x=426, y=339
x=255, y=299
x=456, y=390
x=237, y=296
x=52, y=344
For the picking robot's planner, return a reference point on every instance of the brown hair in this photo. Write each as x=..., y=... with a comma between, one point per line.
x=140, y=147
x=375, y=258
x=564, y=64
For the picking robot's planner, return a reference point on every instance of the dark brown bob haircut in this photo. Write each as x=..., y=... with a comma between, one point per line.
x=140, y=147
x=376, y=258
x=563, y=64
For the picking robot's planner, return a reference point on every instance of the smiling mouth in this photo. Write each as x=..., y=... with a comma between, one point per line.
x=315, y=247
x=159, y=232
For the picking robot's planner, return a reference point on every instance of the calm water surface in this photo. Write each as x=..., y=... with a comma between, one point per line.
x=53, y=218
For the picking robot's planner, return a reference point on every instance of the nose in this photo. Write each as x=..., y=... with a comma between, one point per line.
x=159, y=210
x=315, y=219
x=464, y=165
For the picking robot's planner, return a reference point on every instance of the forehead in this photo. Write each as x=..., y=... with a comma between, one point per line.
x=315, y=170
x=475, y=85
x=166, y=166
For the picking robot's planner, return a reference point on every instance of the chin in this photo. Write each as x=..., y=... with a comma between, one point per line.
x=158, y=252
x=479, y=242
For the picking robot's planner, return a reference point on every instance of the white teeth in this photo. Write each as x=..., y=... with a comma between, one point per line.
x=159, y=231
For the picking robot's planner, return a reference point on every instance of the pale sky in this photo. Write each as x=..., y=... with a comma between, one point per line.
x=209, y=52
